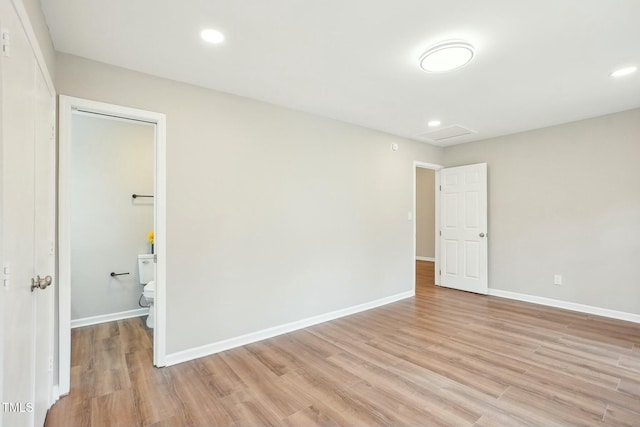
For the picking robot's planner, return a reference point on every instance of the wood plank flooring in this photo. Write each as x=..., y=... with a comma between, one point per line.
x=443, y=358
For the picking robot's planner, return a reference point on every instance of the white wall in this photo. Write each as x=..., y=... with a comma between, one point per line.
x=425, y=213
x=110, y=160
x=565, y=200
x=273, y=215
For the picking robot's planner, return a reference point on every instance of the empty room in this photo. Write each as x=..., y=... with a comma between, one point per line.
x=320, y=213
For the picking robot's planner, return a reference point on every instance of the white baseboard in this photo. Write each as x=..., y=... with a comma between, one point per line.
x=588, y=309
x=216, y=347
x=425, y=258
x=94, y=320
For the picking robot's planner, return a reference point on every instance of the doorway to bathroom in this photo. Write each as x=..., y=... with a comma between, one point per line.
x=111, y=222
x=111, y=194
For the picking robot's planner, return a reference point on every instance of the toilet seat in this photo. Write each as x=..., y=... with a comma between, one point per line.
x=149, y=290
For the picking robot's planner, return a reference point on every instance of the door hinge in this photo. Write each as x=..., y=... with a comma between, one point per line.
x=441, y=232
x=53, y=131
x=441, y=188
x=155, y=258
x=439, y=272
x=6, y=42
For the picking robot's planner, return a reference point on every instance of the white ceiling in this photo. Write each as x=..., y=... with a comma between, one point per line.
x=538, y=62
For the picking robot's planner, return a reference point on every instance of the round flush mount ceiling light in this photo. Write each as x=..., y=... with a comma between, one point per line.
x=447, y=56
x=624, y=71
x=433, y=123
x=212, y=36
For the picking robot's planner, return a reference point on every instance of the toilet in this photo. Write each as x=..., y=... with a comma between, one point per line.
x=146, y=272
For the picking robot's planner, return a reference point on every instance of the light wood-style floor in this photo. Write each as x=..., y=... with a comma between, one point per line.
x=442, y=358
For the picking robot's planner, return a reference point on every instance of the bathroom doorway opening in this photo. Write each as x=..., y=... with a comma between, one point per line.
x=426, y=224
x=111, y=181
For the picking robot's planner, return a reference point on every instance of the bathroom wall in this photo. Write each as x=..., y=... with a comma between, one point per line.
x=425, y=213
x=111, y=160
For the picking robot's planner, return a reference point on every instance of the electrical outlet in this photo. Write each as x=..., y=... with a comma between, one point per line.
x=557, y=279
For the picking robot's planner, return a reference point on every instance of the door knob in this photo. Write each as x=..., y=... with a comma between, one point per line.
x=40, y=283
x=481, y=234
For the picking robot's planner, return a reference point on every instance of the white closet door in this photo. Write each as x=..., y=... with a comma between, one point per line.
x=28, y=174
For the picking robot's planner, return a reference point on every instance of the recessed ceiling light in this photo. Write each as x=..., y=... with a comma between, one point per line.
x=212, y=36
x=433, y=123
x=447, y=56
x=624, y=71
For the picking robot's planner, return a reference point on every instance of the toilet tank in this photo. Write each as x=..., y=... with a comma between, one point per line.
x=146, y=268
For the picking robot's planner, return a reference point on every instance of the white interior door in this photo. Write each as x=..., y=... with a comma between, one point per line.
x=463, y=219
x=27, y=103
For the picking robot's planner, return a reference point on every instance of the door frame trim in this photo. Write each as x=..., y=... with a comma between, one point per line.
x=67, y=105
x=436, y=168
x=23, y=16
